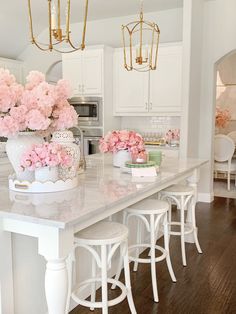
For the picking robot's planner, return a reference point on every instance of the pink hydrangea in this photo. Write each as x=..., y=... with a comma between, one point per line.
x=63, y=90
x=8, y=126
x=34, y=79
x=46, y=155
x=35, y=120
x=65, y=118
x=39, y=106
x=121, y=140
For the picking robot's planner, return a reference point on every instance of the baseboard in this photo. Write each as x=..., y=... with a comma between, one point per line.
x=205, y=197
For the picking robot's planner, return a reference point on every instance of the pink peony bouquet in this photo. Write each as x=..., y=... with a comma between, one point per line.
x=172, y=135
x=222, y=117
x=39, y=106
x=45, y=155
x=120, y=140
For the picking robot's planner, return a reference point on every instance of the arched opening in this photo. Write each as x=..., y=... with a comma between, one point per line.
x=225, y=118
x=54, y=72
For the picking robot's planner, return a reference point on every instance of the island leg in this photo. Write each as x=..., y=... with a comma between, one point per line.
x=6, y=273
x=56, y=286
x=56, y=245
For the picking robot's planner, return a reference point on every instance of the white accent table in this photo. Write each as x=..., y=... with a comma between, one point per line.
x=54, y=218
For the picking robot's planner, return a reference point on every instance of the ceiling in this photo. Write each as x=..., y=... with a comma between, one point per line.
x=14, y=32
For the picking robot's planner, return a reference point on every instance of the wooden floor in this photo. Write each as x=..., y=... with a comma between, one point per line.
x=207, y=285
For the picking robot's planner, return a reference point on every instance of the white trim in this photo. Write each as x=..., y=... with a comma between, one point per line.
x=205, y=197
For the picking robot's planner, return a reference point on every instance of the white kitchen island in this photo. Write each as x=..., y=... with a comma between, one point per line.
x=54, y=218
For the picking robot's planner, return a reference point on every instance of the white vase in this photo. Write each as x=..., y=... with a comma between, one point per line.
x=16, y=146
x=45, y=174
x=120, y=158
x=66, y=139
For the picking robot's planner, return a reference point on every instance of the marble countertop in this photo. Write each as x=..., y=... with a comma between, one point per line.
x=101, y=187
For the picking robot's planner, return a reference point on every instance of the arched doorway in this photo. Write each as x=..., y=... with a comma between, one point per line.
x=54, y=72
x=225, y=109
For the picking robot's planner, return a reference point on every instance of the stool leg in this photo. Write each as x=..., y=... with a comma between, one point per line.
x=182, y=232
x=195, y=228
x=153, y=262
x=93, y=285
x=119, y=268
x=127, y=280
x=166, y=243
x=169, y=210
x=104, y=279
x=135, y=268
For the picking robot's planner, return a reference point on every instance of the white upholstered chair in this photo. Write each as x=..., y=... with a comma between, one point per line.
x=224, y=150
x=233, y=136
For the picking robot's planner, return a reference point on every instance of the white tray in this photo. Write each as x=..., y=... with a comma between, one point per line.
x=41, y=187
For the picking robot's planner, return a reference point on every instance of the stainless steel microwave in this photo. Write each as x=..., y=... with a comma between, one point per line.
x=89, y=110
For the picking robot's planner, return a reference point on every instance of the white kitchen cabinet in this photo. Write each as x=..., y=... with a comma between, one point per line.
x=84, y=70
x=130, y=88
x=166, y=81
x=14, y=66
x=148, y=93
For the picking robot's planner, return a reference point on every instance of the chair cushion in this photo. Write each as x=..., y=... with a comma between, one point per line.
x=103, y=230
x=178, y=189
x=149, y=206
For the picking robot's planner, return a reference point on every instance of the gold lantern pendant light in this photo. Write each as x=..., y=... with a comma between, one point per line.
x=142, y=56
x=55, y=32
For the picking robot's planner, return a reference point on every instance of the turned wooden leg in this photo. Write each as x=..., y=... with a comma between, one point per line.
x=56, y=286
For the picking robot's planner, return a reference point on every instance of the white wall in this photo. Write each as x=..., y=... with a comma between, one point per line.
x=219, y=38
x=107, y=32
x=191, y=87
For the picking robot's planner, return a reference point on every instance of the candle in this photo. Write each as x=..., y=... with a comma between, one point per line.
x=54, y=21
x=53, y=17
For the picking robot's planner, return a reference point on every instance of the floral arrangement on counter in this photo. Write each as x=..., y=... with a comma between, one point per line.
x=45, y=155
x=173, y=135
x=222, y=117
x=115, y=141
x=37, y=106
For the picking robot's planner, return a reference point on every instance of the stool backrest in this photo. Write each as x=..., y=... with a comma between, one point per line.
x=233, y=136
x=224, y=148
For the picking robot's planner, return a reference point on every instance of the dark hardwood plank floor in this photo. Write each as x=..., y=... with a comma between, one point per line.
x=207, y=285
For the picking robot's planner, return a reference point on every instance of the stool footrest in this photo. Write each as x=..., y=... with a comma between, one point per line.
x=187, y=228
x=82, y=285
x=147, y=260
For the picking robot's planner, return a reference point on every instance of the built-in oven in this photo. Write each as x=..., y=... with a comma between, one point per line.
x=89, y=110
x=91, y=137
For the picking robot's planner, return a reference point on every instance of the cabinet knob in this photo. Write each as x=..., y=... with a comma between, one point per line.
x=150, y=107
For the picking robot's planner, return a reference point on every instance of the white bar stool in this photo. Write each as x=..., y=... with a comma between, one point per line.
x=105, y=237
x=150, y=212
x=183, y=197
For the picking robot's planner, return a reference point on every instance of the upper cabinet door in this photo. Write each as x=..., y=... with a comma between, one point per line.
x=72, y=71
x=166, y=81
x=92, y=61
x=130, y=88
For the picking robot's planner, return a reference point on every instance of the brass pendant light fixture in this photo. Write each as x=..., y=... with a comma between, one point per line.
x=140, y=41
x=56, y=35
